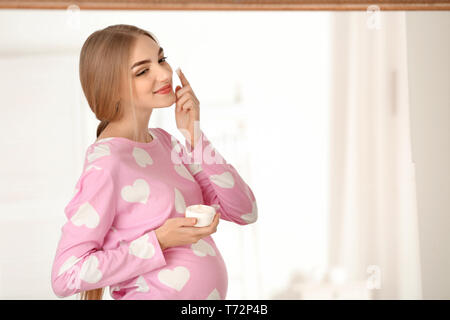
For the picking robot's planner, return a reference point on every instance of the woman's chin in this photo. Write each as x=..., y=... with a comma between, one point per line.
x=165, y=105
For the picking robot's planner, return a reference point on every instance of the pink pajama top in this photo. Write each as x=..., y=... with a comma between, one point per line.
x=126, y=191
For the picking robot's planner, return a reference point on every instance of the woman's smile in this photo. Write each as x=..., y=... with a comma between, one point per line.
x=165, y=89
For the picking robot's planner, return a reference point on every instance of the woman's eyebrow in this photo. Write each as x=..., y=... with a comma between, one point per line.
x=147, y=60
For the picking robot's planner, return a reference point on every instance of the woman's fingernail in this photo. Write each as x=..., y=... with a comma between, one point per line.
x=178, y=70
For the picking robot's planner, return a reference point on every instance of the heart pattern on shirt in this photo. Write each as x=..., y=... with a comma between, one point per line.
x=214, y=295
x=90, y=271
x=86, y=215
x=176, y=278
x=202, y=248
x=184, y=172
x=142, y=285
x=141, y=248
x=252, y=216
x=180, y=204
x=175, y=144
x=195, y=168
x=67, y=264
x=224, y=180
x=100, y=150
x=138, y=192
x=92, y=166
x=142, y=157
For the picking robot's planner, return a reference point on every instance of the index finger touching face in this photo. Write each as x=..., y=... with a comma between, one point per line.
x=182, y=77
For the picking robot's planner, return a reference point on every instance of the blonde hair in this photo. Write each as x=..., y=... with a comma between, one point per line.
x=104, y=68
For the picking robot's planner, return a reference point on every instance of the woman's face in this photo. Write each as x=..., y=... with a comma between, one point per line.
x=149, y=73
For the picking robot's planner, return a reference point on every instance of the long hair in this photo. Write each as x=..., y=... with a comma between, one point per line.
x=104, y=70
x=104, y=74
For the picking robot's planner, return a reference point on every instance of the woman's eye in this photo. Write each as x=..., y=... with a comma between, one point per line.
x=141, y=73
x=145, y=70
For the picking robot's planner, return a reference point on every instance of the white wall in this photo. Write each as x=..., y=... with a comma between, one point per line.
x=428, y=40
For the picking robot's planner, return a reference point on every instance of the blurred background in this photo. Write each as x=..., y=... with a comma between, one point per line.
x=338, y=121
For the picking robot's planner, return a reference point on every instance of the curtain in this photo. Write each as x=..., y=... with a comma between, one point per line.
x=373, y=224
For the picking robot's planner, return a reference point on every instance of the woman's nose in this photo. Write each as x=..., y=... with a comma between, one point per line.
x=163, y=73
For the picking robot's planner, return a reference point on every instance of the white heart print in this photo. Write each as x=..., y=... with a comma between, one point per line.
x=175, y=278
x=195, y=168
x=100, y=150
x=202, y=248
x=141, y=248
x=67, y=264
x=142, y=285
x=175, y=144
x=214, y=295
x=141, y=157
x=180, y=204
x=252, y=216
x=92, y=166
x=182, y=171
x=89, y=271
x=224, y=180
x=86, y=215
x=138, y=192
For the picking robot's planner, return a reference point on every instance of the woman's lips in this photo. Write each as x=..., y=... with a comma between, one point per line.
x=165, y=89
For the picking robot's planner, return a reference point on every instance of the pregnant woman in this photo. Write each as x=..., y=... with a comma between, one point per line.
x=126, y=226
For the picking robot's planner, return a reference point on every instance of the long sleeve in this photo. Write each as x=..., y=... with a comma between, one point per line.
x=80, y=263
x=221, y=184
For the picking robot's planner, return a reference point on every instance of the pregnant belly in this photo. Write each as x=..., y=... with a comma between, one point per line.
x=195, y=271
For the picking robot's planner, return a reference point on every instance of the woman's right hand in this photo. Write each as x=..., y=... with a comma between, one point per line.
x=180, y=231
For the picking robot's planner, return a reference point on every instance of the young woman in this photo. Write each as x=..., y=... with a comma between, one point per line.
x=125, y=225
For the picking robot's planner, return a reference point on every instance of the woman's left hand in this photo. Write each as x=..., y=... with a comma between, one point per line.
x=187, y=110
